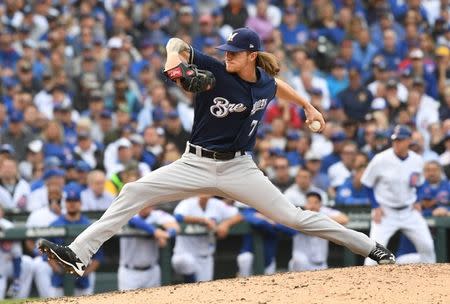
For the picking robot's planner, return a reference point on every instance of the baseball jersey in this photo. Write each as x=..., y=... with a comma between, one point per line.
x=8, y=249
x=298, y=197
x=226, y=117
x=57, y=278
x=394, y=180
x=141, y=251
x=41, y=218
x=201, y=245
x=39, y=199
x=312, y=246
x=439, y=192
x=17, y=197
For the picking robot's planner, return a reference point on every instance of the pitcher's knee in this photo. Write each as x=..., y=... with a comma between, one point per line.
x=184, y=264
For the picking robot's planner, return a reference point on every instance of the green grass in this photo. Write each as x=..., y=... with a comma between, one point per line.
x=16, y=301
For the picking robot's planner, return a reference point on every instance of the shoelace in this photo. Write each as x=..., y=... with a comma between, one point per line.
x=379, y=253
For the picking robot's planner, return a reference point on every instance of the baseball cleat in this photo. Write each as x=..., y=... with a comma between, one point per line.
x=382, y=255
x=63, y=255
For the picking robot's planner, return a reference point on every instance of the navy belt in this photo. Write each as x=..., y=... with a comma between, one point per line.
x=215, y=155
x=401, y=208
x=139, y=268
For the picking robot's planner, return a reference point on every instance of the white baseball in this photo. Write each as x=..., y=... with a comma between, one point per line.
x=315, y=126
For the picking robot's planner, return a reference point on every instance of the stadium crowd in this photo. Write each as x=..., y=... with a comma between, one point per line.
x=85, y=108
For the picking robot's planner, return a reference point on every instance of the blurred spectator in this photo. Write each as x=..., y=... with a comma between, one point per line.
x=313, y=165
x=17, y=135
x=390, y=51
x=286, y=110
x=261, y=22
x=363, y=51
x=174, y=131
x=235, y=13
x=385, y=23
x=356, y=100
x=83, y=285
x=42, y=217
x=14, y=265
x=14, y=191
x=338, y=139
x=292, y=32
x=421, y=70
x=297, y=193
x=88, y=150
x=95, y=197
x=207, y=31
x=33, y=158
x=281, y=179
x=352, y=192
x=434, y=194
x=341, y=170
x=53, y=190
x=418, y=145
x=337, y=80
x=128, y=174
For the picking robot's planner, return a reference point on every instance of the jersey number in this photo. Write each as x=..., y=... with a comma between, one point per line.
x=253, y=127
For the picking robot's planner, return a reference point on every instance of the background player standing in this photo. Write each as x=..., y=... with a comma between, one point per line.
x=217, y=160
x=393, y=177
x=310, y=252
x=138, y=264
x=193, y=255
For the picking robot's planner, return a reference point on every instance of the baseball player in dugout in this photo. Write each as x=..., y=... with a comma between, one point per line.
x=230, y=100
x=393, y=177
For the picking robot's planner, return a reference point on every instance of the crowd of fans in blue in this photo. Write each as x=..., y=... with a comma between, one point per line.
x=85, y=108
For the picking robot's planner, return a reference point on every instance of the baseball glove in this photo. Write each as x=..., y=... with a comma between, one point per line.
x=191, y=78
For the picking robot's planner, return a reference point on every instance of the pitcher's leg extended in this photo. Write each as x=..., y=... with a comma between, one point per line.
x=172, y=182
x=246, y=183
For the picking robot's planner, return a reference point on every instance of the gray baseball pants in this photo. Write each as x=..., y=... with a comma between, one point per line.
x=239, y=179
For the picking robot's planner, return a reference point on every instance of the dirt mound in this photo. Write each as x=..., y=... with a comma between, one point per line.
x=378, y=284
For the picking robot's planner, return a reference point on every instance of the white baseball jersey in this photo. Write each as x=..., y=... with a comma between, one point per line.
x=205, y=244
x=141, y=251
x=18, y=198
x=298, y=197
x=39, y=199
x=338, y=173
x=91, y=202
x=8, y=249
x=315, y=248
x=41, y=218
x=394, y=180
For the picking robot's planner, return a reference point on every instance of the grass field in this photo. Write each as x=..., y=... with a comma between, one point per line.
x=16, y=301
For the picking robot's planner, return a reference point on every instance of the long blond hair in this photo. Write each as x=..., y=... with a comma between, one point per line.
x=268, y=62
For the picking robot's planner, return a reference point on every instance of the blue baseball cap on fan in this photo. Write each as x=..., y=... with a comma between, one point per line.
x=241, y=39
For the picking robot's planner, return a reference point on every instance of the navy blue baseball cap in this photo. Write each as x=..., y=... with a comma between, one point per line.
x=15, y=116
x=73, y=193
x=241, y=39
x=401, y=132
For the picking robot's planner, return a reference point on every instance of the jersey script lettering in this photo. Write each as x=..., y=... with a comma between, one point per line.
x=223, y=107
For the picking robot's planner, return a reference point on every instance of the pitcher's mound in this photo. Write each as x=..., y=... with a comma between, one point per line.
x=377, y=284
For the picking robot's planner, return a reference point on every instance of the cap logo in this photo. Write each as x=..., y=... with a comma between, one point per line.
x=231, y=37
x=251, y=46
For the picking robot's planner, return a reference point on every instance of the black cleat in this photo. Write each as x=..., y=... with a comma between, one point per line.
x=382, y=255
x=63, y=255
